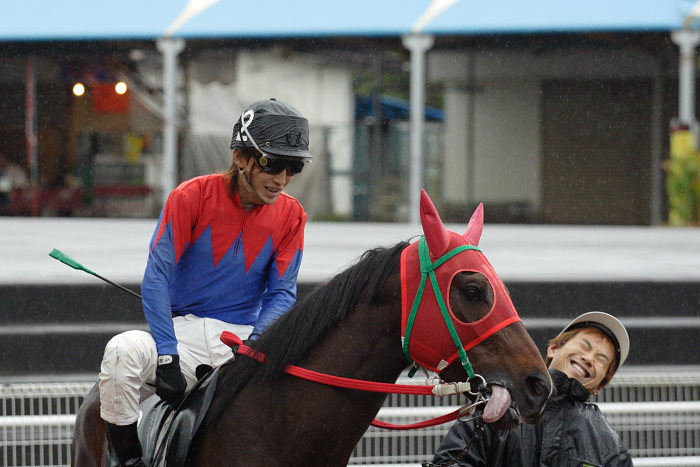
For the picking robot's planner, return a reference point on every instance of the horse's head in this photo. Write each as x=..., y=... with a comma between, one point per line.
x=453, y=302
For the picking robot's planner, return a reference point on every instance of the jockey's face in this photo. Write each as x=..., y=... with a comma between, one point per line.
x=254, y=185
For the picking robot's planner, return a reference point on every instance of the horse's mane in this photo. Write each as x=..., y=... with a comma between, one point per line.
x=293, y=336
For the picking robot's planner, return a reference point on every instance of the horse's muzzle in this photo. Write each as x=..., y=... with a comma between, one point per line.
x=537, y=392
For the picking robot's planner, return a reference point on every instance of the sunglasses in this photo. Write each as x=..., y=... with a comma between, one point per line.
x=272, y=165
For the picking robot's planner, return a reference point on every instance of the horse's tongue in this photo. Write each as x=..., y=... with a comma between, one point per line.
x=497, y=404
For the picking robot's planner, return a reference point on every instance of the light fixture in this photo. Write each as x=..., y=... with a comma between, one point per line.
x=78, y=89
x=120, y=87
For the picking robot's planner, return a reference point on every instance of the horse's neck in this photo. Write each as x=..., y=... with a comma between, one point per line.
x=366, y=346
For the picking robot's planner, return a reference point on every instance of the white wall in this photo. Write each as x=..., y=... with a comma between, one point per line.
x=456, y=130
x=507, y=143
x=322, y=94
x=325, y=97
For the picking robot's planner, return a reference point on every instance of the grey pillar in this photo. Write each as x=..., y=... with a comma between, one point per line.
x=170, y=48
x=418, y=45
x=686, y=40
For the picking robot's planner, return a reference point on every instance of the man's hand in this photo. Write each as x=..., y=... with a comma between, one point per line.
x=170, y=384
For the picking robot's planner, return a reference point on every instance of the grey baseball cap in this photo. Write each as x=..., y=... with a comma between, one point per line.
x=610, y=326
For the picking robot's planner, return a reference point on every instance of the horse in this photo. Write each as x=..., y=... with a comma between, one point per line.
x=407, y=304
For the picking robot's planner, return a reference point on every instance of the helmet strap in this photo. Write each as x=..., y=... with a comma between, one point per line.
x=245, y=175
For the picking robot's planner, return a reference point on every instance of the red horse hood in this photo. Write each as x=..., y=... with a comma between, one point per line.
x=430, y=342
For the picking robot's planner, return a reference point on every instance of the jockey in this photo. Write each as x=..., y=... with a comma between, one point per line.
x=224, y=256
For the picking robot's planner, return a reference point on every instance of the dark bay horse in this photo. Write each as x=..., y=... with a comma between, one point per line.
x=365, y=324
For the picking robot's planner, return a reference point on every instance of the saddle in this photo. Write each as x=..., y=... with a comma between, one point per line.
x=165, y=434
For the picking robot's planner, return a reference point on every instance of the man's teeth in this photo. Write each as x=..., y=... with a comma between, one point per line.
x=581, y=369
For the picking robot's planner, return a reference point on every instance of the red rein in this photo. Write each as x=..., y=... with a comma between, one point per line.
x=233, y=341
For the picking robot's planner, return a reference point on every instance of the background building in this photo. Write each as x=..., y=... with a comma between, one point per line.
x=558, y=115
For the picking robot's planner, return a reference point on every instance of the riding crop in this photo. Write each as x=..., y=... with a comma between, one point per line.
x=67, y=260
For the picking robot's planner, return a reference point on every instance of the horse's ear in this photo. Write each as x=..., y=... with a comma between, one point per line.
x=476, y=226
x=435, y=232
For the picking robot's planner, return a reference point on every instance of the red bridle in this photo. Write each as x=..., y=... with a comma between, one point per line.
x=433, y=334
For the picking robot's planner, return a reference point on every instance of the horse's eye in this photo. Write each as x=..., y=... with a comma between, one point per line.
x=473, y=293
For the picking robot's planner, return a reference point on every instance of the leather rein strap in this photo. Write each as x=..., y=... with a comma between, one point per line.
x=239, y=348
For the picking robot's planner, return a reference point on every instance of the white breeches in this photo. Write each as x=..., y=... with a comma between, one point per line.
x=128, y=371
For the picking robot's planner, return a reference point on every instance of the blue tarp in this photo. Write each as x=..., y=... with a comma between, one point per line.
x=31, y=20
x=392, y=109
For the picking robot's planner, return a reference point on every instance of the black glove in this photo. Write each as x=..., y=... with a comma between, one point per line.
x=170, y=384
x=234, y=349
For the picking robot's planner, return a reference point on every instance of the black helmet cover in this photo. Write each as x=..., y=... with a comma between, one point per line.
x=274, y=128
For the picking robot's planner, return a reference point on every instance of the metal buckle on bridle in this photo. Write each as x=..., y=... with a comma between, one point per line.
x=479, y=398
x=481, y=388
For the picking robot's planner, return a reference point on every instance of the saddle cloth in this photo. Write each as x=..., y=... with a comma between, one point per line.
x=166, y=434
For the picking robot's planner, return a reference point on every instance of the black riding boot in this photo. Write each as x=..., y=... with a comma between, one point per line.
x=124, y=443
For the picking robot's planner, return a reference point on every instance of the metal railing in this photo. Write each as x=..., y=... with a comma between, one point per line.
x=656, y=413
x=36, y=422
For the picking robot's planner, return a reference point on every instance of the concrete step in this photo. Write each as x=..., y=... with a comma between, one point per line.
x=59, y=303
x=63, y=303
x=54, y=329
x=51, y=349
x=56, y=303
x=640, y=299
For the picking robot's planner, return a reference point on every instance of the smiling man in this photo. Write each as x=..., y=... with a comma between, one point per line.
x=582, y=359
x=224, y=256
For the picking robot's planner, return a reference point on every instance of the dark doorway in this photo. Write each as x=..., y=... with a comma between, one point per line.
x=596, y=146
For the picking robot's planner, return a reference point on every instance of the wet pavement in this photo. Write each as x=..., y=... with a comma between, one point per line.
x=117, y=249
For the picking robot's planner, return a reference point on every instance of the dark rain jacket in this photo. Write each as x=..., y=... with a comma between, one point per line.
x=571, y=433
